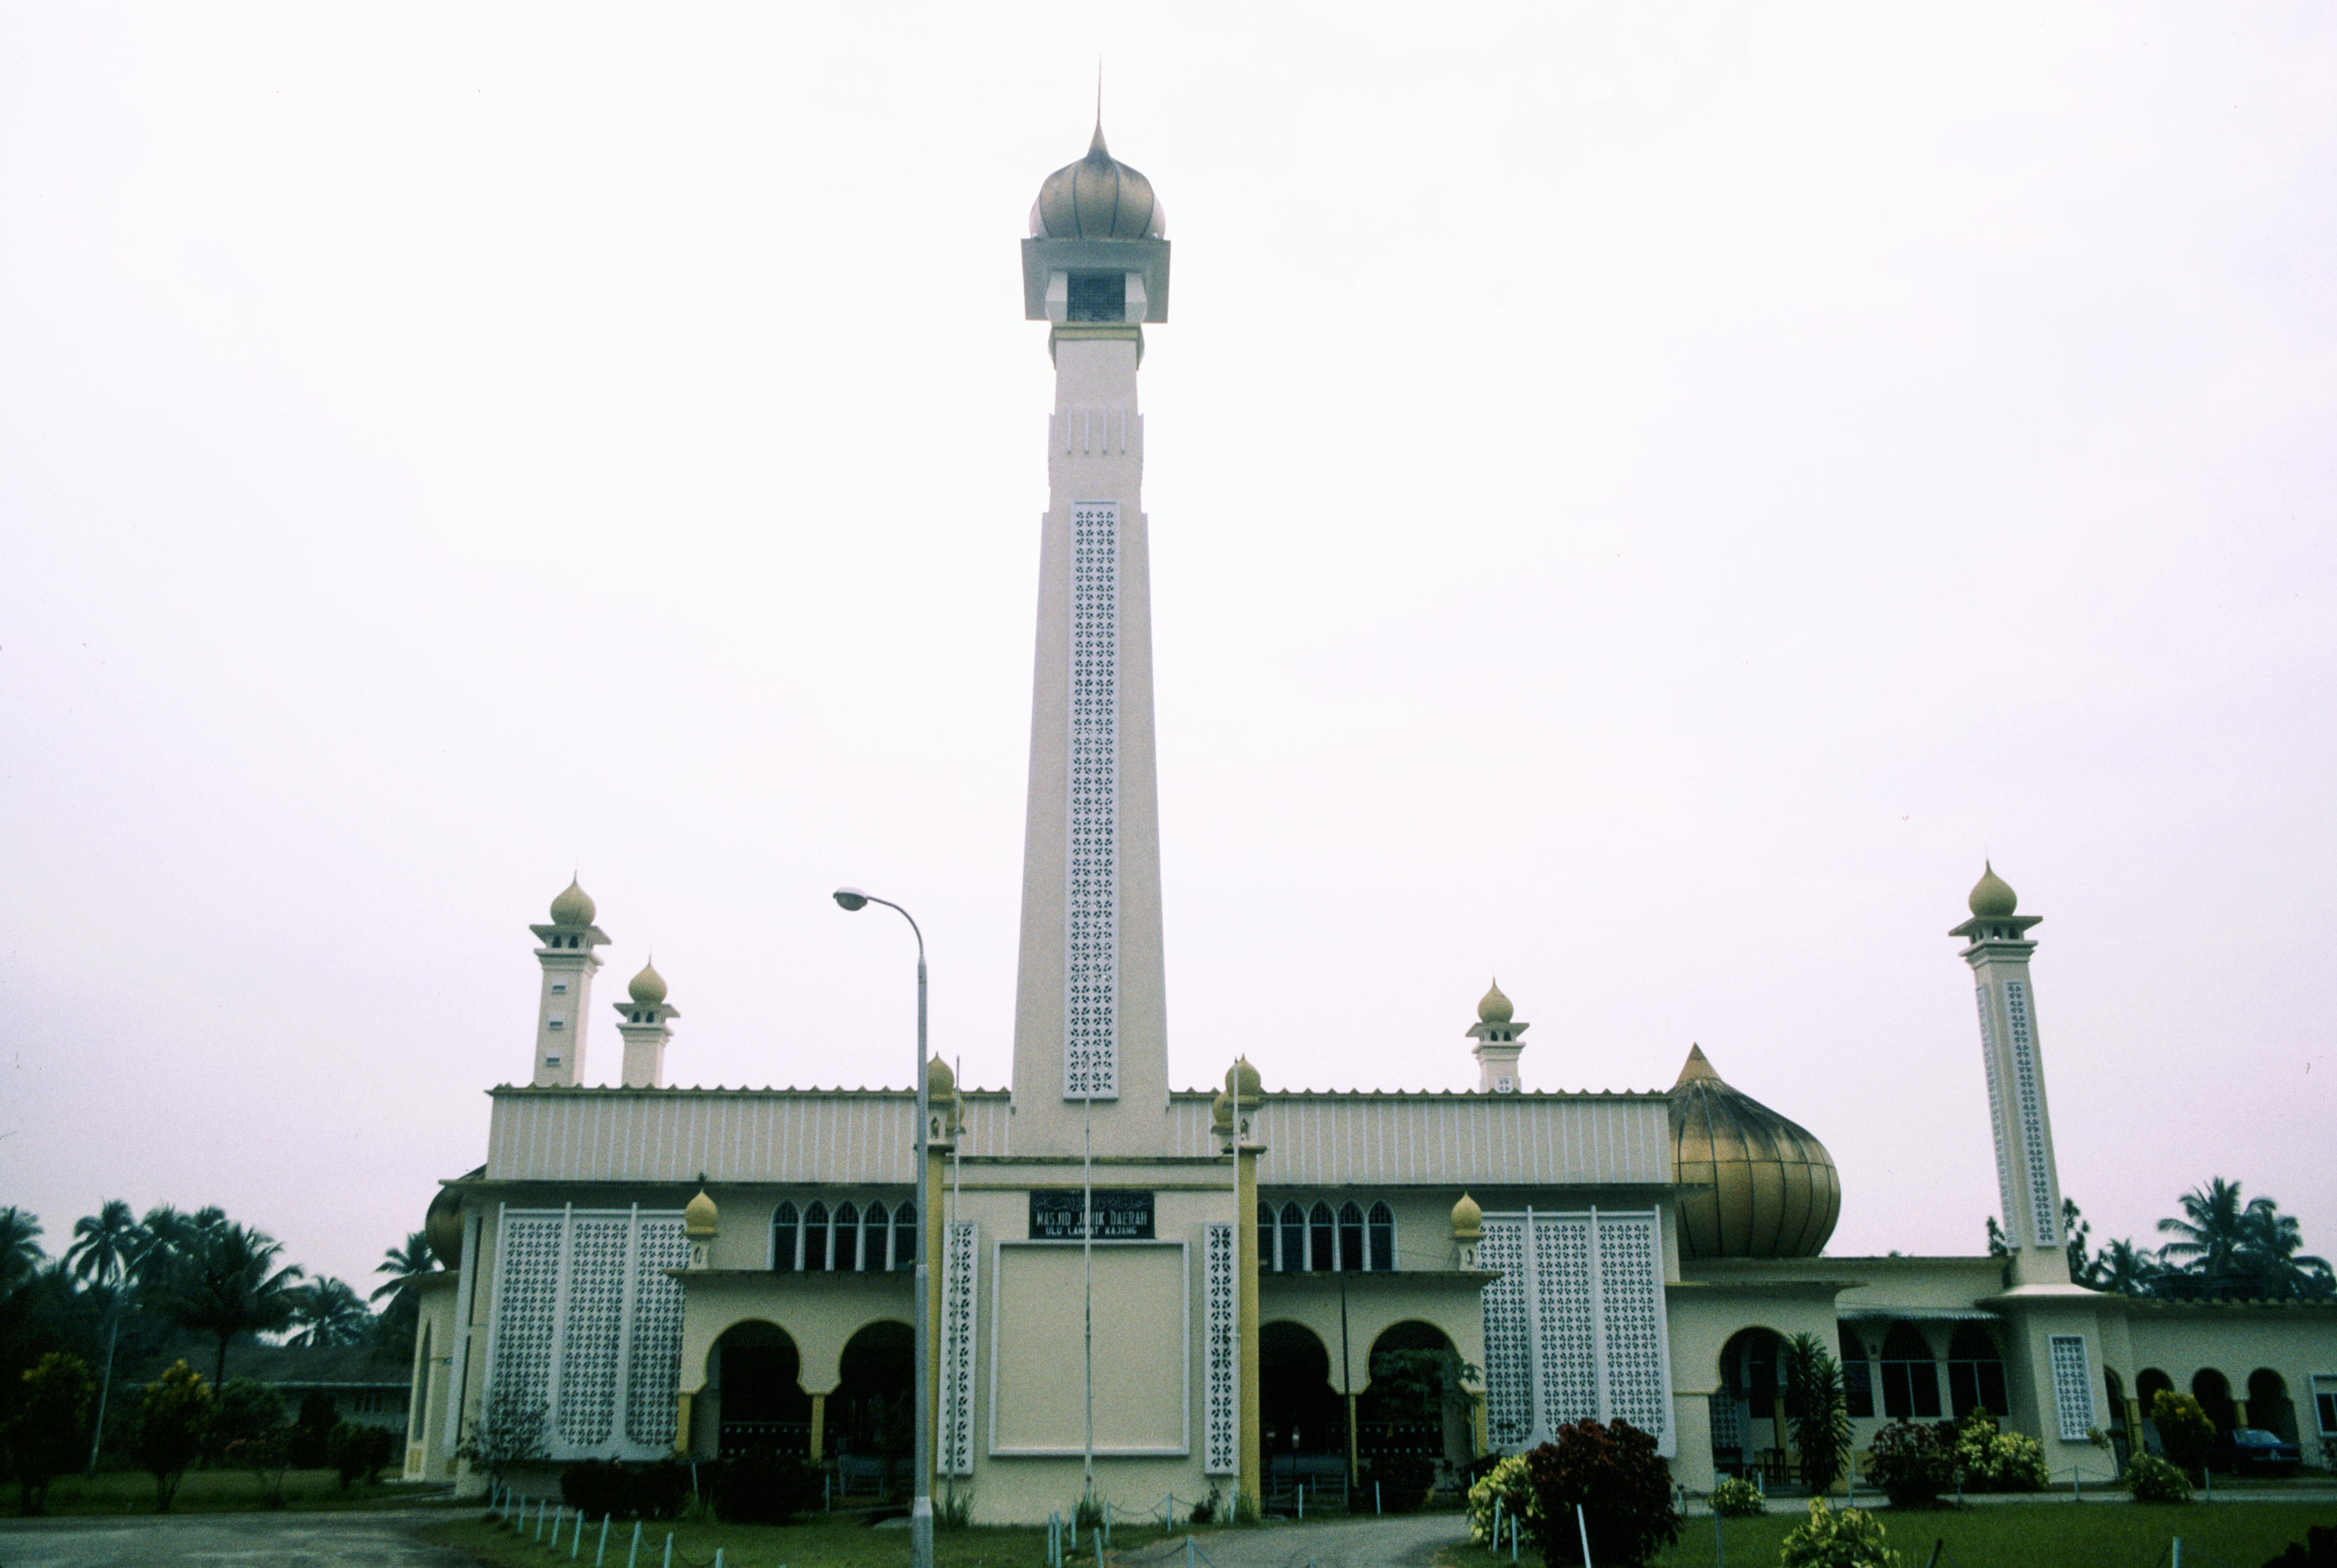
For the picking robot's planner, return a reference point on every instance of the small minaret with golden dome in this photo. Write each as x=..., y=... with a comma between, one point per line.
x=569, y=963
x=2029, y=1186
x=1497, y=1048
x=643, y=1019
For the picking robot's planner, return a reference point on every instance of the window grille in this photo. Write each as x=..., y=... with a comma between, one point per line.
x=847, y=1238
x=880, y=1230
x=785, y=1234
x=815, y=1250
x=1351, y=1236
x=1096, y=297
x=1383, y=1237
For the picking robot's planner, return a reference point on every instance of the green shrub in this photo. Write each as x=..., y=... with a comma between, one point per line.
x=1913, y=1465
x=173, y=1416
x=1852, y=1538
x=1611, y=1472
x=49, y=1434
x=2317, y=1549
x=1734, y=1497
x=1505, y=1482
x=603, y=1487
x=762, y=1487
x=2185, y=1431
x=245, y=1408
x=1404, y=1481
x=354, y=1451
x=1998, y=1460
x=2153, y=1480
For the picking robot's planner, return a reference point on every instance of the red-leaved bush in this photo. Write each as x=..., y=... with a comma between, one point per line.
x=1622, y=1485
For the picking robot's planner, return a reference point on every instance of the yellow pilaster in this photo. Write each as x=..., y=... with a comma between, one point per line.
x=1352, y=1479
x=2134, y=1425
x=819, y=1425
x=1253, y=1438
x=681, y=1403
x=2239, y=1414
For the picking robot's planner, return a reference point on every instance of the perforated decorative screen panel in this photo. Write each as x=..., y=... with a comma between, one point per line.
x=2073, y=1385
x=586, y=1327
x=1508, y=1336
x=2045, y=1203
x=958, y=1275
x=1575, y=1327
x=1091, y=967
x=1633, y=1353
x=1221, y=1349
x=2005, y=1204
x=653, y=1370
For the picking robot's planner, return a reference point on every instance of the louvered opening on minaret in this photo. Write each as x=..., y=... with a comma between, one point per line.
x=1098, y=297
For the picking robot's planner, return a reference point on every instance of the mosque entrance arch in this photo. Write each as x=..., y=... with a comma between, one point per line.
x=2269, y=1406
x=755, y=1374
x=870, y=1419
x=1304, y=1418
x=2214, y=1392
x=1748, y=1412
x=1415, y=1406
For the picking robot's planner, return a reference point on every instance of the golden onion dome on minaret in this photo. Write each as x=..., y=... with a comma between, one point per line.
x=1495, y=1008
x=574, y=907
x=648, y=987
x=442, y=1227
x=1769, y=1189
x=1097, y=197
x=700, y=1217
x=1468, y=1220
x=1993, y=898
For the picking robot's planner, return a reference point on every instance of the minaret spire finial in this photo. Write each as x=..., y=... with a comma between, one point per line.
x=1095, y=145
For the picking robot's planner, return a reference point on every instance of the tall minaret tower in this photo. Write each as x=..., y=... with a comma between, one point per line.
x=1090, y=1013
x=569, y=963
x=2027, y=1184
x=1497, y=1046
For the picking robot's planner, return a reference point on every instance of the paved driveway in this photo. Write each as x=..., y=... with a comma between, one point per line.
x=226, y=1540
x=1409, y=1540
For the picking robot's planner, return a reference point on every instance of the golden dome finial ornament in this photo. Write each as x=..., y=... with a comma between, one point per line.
x=1495, y=1008
x=648, y=987
x=1097, y=197
x=1993, y=898
x=574, y=907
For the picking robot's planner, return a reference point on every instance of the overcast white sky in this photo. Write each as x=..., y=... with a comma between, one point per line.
x=1643, y=499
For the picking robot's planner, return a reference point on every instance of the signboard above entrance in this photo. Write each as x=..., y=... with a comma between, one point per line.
x=1120, y=1215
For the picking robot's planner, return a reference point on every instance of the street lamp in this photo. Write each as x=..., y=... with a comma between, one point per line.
x=921, y=1507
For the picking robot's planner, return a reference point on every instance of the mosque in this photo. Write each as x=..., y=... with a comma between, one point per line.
x=1149, y=1293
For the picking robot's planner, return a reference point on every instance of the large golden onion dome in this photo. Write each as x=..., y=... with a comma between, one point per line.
x=1495, y=1008
x=1771, y=1189
x=442, y=1225
x=1097, y=197
x=648, y=987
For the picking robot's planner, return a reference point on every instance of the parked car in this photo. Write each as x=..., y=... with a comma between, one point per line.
x=2252, y=1451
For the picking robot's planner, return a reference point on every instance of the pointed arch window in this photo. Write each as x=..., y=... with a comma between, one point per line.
x=1266, y=1238
x=1322, y=1239
x=1975, y=1373
x=1381, y=1239
x=1294, y=1238
x=815, y=1247
x=1911, y=1377
x=1351, y=1236
x=847, y=1239
x=785, y=1234
x=904, y=1237
x=879, y=1226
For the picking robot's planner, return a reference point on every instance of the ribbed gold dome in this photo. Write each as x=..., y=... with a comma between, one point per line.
x=1468, y=1220
x=1774, y=1191
x=940, y=1081
x=1241, y=1083
x=1993, y=898
x=442, y=1227
x=1495, y=1008
x=699, y=1216
x=1097, y=197
x=648, y=987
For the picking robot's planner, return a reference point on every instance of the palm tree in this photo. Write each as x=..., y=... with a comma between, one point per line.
x=2268, y=1253
x=104, y=1252
x=2125, y=1269
x=223, y=1280
x=330, y=1313
x=2213, y=1234
x=20, y=1254
x=402, y=1264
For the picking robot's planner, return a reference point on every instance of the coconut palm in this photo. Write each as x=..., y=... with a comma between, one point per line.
x=2125, y=1269
x=2269, y=1255
x=330, y=1313
x=20, y=1249
x=222, y=1279
x=2213, y=1233
x=104, y=1254
x=402, y=1264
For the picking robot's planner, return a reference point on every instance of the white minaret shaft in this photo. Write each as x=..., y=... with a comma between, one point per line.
x=2029, y=1185
x=569, y=963
x=643, y=1019
x=1091, y=1035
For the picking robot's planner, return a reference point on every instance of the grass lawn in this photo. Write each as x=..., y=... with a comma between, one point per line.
x=2039, y=1535
x=819, y=1540
x=112, y=1492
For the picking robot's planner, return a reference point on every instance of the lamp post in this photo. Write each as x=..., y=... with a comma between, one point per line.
x=921, y=1507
